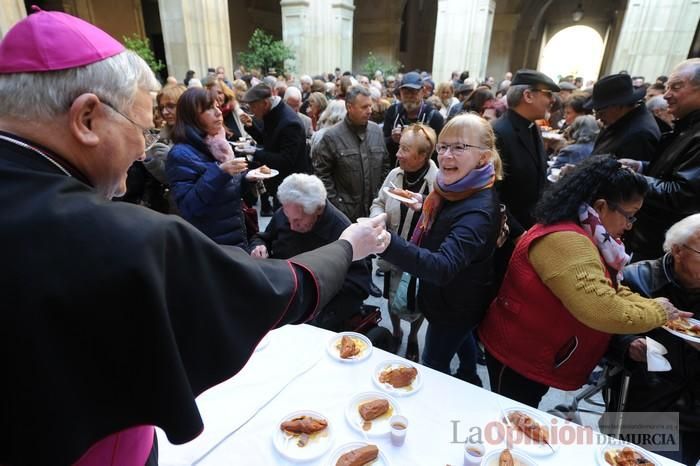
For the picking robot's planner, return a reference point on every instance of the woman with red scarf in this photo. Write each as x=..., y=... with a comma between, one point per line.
x=561, y=301
x=450, y=251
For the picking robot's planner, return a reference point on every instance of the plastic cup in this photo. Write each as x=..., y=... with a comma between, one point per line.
x=399, y=426
x=473, y=453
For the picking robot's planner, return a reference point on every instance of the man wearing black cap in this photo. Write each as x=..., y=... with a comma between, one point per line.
x=629, y=128
x=282, y=137
x=410, y=109
x=520, y=146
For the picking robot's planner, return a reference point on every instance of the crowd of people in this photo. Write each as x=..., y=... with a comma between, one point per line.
x=500, y=213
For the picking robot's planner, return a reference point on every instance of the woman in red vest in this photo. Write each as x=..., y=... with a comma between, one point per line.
x=560, y=301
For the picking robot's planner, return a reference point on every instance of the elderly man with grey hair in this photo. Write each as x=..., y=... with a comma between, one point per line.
x=307, y=221
x=292, y=97
x=658, y=107
x=351, y=158
x=674, y=276
x=674, y=174
x=305, y=81
x=280, y=132
x=115, y=317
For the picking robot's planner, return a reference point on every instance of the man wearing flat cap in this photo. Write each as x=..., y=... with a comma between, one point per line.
x=281, y=137
x=520, y=146
x=410, y=108
x=115, y=317
x=629, y=129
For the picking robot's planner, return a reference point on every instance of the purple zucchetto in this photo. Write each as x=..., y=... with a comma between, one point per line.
x=51, y=41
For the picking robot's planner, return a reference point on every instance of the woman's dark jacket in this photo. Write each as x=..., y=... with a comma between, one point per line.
x=454, y=263
x=206, y=196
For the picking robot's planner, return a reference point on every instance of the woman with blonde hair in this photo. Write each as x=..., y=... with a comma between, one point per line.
x=156, y=191
x=450, y=250
x=317, y=104
x=416, y=173
x=445, y=92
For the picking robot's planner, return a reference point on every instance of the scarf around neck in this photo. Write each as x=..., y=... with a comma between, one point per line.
x=475, y=181
x=612, y=249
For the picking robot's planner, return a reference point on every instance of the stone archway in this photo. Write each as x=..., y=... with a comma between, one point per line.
x=558, y=58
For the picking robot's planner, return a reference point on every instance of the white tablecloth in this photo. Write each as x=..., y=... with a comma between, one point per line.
x=294, y=372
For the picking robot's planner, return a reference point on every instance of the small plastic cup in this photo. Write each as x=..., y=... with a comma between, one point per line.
x=473, y=453
x=399, y=426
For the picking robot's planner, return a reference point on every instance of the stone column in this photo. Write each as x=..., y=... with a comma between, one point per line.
x=462, y=37
x=196, y=35
x=319, y=32
x=655, y=36
x=12, y=12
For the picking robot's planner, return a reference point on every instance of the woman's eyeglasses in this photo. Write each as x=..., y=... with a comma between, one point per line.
x=456, y=149
x=630, y=217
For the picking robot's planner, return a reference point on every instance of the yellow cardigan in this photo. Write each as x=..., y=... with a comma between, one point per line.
x=569, y=264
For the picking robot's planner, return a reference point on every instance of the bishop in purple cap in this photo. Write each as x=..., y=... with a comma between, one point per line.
x=115, y=317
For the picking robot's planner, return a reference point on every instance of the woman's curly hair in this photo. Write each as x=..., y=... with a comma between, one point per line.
x=598, y=177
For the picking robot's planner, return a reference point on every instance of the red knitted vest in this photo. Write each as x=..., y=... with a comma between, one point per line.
x=528, y=328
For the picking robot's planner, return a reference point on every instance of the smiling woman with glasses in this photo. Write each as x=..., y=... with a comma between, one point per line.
x=450, y=251
x=561, y=300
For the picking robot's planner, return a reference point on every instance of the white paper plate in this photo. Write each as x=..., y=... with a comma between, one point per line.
x=526, y=444
x=380, y=425
x=363, y=341
x=521, y=459
x=600, y=456
x=395, y=364
x=380, y=461
x=405, y=200
x=286, y=444
x=263, y=343
x=264, y=176
x=552, y=135
x=683, y=335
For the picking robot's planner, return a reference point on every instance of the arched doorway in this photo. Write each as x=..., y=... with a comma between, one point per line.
x=576, y=50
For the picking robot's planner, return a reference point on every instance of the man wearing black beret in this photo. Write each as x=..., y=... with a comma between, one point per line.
x=521, y=148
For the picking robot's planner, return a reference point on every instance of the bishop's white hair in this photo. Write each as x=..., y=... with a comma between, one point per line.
x=46, y=95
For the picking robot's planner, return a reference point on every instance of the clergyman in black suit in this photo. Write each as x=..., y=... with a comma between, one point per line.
x=522, y=151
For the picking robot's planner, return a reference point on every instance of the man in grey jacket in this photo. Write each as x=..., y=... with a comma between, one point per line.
x=351, y=158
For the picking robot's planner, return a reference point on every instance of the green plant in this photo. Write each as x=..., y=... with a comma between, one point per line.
x=265, y=52
x=142, y=47
x=374, y=63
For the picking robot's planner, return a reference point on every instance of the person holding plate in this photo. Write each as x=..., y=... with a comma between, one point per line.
x=561, y=300
x=451, y=249
x=676, y=277
x=416, y=173
x=206, y=180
